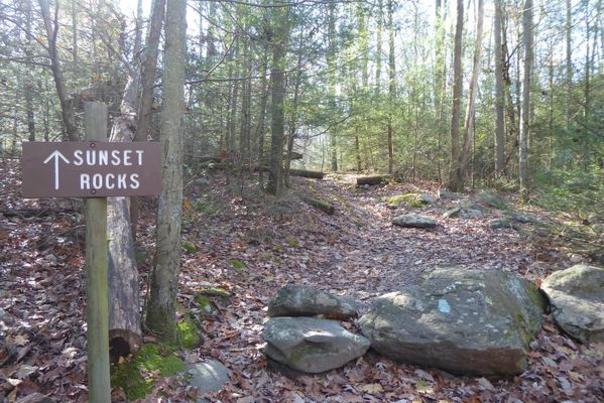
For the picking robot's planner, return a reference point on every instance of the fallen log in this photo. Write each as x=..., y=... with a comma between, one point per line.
x=322, y=205
x=372, y=180
x=306, y=174
x=296, y=172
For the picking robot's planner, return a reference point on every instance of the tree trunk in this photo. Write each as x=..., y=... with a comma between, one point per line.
x=161, y=311
x=569, y=62
x=454, y=183
x=462, y=163
x=51, y=25
x=391, y=82
x=262, y=114
x=331, y=77
x=378, y=52
x=499, y=94
x=29, y=102
x=148, y=68
x=527, y=23
x=125, y=335
x=280, y=23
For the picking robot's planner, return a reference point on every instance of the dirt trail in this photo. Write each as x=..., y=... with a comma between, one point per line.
x=251, y=245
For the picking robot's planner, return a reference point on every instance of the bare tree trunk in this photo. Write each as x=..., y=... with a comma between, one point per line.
x=527, y=23
x=149, y=69
x=125, y=336
x=51, y=25
x=29, y=102
x=569, y=62
x=331, y=78
x=378, y=66
x=262, y=114
x=279, y=45
x=499, y=94
x=457, y=94
x=291, y=137
x=161, y=310
x=462, y=164
x=391, y=82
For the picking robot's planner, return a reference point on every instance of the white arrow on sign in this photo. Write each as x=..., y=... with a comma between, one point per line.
x=56, y=155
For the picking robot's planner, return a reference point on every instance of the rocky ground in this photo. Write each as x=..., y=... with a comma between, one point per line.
x=250, y=245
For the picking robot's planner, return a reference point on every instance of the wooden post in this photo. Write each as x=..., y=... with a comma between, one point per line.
x=97, y=311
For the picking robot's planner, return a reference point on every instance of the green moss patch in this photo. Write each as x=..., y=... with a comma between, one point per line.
x=238, y=265
x=189, y=247
x=137, y=376
x=189, y=335
x=410, y=199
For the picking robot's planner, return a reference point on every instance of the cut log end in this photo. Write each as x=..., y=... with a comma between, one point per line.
x=123, y=343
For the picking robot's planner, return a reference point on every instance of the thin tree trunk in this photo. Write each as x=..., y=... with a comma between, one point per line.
x=161, y=310
x=29, y=103
x=462, y=165
x=378, y=55
x=51, y=25
x=527, y=23
x=262, y=114
x=125, y=334
x=457, y=94
x=569, y=62
x=331, y=79
x=148, y=69
x=499, y=94
x=280, y=22
x=391, y=82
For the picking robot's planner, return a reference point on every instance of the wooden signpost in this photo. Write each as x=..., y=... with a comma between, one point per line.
x=93, y=169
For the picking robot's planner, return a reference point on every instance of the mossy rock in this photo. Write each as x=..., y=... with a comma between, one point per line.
x=189, y=247
x=415, y=200
x=137, y=376
x=189, y=335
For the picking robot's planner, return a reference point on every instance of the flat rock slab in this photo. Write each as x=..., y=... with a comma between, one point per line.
x=469, y=322
x=414, y=221
x=208, y=376
x=311, y=345
x=302, y=300
x=577, y=299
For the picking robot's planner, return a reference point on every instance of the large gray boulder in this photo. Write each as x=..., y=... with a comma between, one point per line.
x=577, y=299
x=302, y=300
x=311, y=345
x=414, y=221
x=469, y=322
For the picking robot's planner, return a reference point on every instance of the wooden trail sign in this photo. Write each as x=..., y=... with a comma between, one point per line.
x=94, y=169
x=90, y=169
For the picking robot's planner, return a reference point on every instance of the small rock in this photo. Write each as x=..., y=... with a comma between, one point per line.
x=577, y=299
x=311, y=345
x=414, y=221
x=208, y=376
x=302, y=300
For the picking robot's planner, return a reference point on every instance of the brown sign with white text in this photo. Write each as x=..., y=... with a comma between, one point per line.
x=90, y=169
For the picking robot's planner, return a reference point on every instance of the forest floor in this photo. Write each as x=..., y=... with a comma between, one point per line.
x=251, y=244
